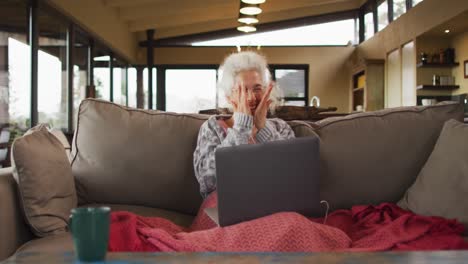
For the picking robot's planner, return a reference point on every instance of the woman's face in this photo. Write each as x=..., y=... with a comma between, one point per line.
x=253, y=86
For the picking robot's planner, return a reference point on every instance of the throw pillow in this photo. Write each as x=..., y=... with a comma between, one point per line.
x=45, y=181
x=441, y=187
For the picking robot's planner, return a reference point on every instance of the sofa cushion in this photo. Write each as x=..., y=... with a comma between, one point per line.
x=301, y=128
x=64, y=242
x=442, y=185
x=46, y=187
x=131, y=156
x=369, y=158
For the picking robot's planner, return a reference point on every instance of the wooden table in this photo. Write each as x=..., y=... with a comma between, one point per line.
x=432, y=257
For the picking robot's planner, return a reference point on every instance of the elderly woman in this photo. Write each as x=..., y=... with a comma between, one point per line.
x=247, y=85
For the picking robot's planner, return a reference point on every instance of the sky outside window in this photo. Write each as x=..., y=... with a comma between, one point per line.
x=332, y=33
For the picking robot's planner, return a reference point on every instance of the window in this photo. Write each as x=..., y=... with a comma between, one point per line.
x=80, y=70
x=382, y=14
x=102, y=76
x=145, y=88
x=369, y=25
x=132, y=87
x=154, y=88
x=332, y=33
x=292, y=84
x=190, y=90
x=120, y=83
x=52, y=70
x=415, y=2
x=399, y=8
x=15, y=65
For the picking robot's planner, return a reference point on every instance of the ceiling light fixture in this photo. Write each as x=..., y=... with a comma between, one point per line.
x=447, y=31
x=247, y=19
x=246, y=28
x=248, y=9
x=253, y=2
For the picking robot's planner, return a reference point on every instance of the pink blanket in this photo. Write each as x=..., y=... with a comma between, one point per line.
x=363, y=228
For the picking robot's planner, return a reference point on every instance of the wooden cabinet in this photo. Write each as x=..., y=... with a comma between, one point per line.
x=367, y=86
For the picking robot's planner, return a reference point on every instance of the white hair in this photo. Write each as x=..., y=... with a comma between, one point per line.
x=244, y=61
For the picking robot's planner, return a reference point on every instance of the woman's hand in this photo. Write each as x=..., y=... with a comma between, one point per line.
x=262, y=108
x=239, y=99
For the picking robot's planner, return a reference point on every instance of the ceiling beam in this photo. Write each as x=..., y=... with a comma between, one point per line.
x=129, y=3
x=264, y=27
x=177, y=8
x=180, y=22
x=192, y=8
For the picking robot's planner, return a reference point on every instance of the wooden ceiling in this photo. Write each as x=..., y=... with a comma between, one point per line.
x=173, y=18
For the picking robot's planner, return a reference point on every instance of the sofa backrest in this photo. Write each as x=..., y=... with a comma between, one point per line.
x=139, y=157
x=136, y=157
x=369, y=158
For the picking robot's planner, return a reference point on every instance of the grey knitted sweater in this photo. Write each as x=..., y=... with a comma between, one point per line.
x=213, y=135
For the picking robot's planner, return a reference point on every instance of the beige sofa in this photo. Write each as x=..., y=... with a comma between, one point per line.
x=141, y=161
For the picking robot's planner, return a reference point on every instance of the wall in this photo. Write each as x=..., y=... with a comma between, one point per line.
x=393, y=79
x=418, y=20
x=328, y=74
x=104, y=22
x=460, y=43
x=408, y=74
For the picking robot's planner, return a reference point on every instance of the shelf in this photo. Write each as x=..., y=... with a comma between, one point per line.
x=437, y=87
x=358, y=89
x=437, y=65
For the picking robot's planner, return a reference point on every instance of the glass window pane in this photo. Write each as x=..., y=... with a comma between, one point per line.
x=132, y=90
x=415, y=2
x=52, y=71
x=15, y=79
x=145, y=88
x=291, y=82
x=399, y=8
x=102, y=74
x=80, y=78
x=189, y=91
x=331, y=33
x=154, y=88
x=382, y=13
x=15, y=67
x=119, y=76
x=119, y=86
x=369, y=25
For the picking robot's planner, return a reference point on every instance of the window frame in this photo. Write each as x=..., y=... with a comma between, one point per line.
x=34, y=9
x=305, y=68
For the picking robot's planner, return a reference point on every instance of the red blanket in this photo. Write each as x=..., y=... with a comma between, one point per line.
x=363, y=228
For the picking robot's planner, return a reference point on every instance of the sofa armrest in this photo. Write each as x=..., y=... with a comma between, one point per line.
x=13, y=229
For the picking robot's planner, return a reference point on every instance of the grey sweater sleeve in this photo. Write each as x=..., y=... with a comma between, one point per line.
x=275, y=129
x=209, y=140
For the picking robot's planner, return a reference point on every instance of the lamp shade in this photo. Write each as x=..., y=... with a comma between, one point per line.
x=248, y=9
x=253, y=2
x=246, y=28
x=247, y=19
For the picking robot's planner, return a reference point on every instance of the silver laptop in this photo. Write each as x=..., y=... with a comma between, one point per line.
x=262, y=179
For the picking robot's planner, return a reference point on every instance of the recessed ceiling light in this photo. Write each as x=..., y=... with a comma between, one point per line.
x=246, y=19
x=246, y=28
x=447, y=31
x=253, y=2
x=247, y=9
